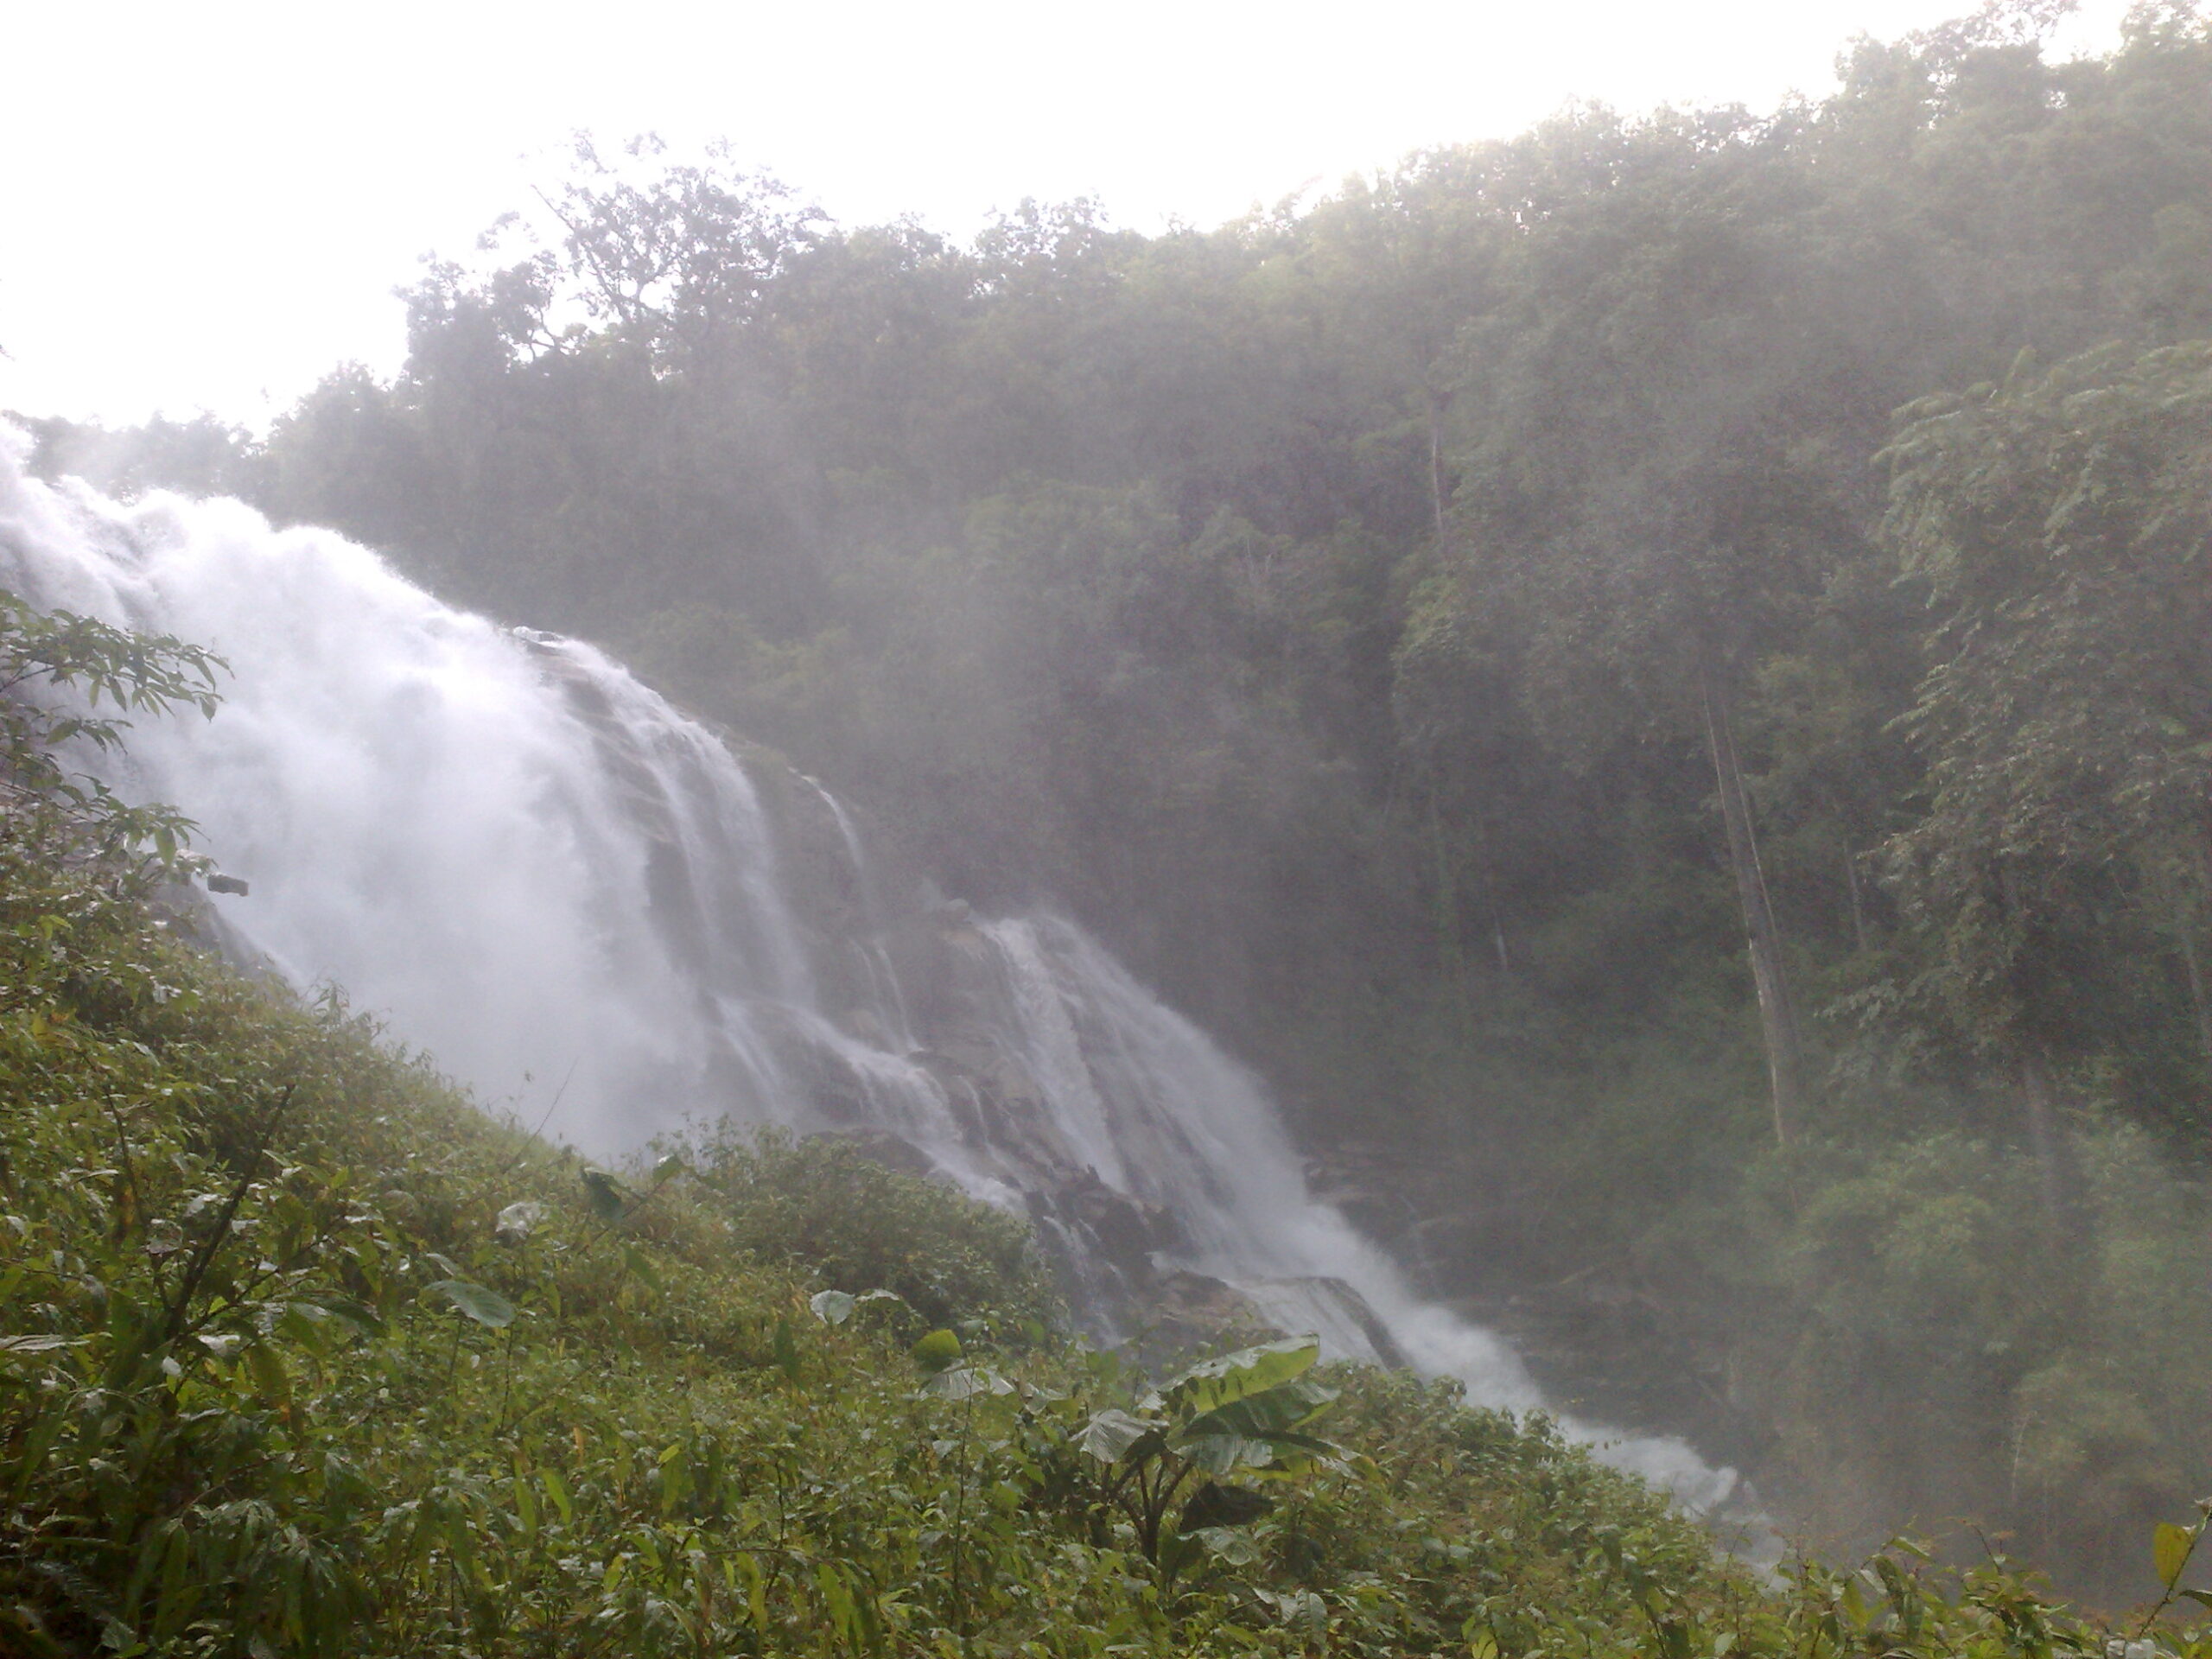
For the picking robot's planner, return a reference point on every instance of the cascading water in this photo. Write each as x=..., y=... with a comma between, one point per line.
x=568, y=892
x=1163, y=1115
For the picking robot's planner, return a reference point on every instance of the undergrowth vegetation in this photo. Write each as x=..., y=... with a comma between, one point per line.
x=300, y=1353
x=825, y=1204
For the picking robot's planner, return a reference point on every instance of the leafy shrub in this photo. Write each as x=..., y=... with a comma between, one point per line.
x=1965, y=1328
x=825, y=1204
x=57, y=671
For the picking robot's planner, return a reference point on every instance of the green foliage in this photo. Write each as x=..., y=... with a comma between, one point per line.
x=825, y=1204
x=56, y=673
x=1340, y=611
x=2059, y=521
x=2059, y=1365
x=487, y=1307
x=1244, y=1414
x=198, y=457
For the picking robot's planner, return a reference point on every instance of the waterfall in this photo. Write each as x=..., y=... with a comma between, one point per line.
x=571, y=895
x=1164, y=1115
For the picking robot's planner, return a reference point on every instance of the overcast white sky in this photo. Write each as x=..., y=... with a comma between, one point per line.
x=209, y=204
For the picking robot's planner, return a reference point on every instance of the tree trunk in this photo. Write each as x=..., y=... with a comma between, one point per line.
x=1777, y=1019
x=2058, y=1176
x=2190, y=913
x=2186, y=934
x=1858, y=905
x=1496, y=913
x=1450, y=957
x=1436, y=468
x=1490, y=894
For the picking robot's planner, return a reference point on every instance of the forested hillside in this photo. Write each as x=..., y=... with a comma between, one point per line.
x=302, y=1351
x=1652, y=676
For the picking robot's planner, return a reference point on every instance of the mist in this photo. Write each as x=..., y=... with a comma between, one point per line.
x=1643, y=679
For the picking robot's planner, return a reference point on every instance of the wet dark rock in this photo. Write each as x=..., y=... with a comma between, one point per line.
x=1186, y=1311
x=1126, y=1233
x=1355, y=1308
x=1370, y=1185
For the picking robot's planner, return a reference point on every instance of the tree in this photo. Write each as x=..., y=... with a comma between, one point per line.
x=55, y=671
x=1635, y=497
x=2061, y=520
x=681, y=258
x=1400, y=266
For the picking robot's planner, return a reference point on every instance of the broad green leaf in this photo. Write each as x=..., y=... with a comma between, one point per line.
x=831, y=1307
x=557, y=1490
x=345, y=1311
x=1275, y=1456
x=308, y=1324
x=964, y=1382
x=1895, y=1585
x=1221, y=1454
x=1217, y=1383
x=1284, y=1407
x=38, y=1344
x=266, y=1366
x=1110, y=1433
x=2169, y=1549
x=604, y=1193
x=641, y=1265
x=1305, y=1607
x=835, y=1598
x=1231, y=1545
x=478, y=1302
x=756, y=1591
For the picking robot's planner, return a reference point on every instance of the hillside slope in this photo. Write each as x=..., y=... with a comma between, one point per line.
x=301, y=1352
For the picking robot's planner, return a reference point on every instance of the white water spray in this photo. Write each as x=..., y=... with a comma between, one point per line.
x=1163, y=1114
x=538, y=871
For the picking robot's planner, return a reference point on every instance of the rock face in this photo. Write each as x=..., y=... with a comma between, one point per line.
x=897, y=967
x=1612, y=1340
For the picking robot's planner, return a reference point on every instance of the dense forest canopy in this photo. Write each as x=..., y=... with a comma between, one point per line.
x=1655, y=672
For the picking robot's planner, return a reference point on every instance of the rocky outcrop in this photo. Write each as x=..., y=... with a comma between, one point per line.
x=900, y=970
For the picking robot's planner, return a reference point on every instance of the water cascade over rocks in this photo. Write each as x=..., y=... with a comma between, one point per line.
x=579, y=901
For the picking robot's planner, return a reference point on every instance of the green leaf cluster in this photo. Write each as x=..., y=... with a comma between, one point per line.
x=58, y=672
